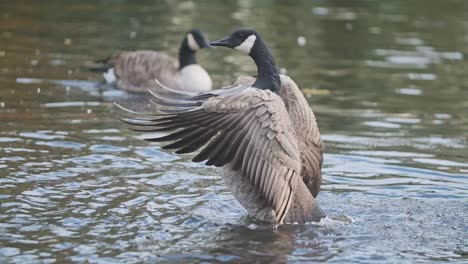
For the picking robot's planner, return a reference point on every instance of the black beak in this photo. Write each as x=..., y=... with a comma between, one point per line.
x=224, y=42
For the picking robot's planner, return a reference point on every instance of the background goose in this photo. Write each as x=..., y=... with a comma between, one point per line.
x=261, y=131
x=135, y=71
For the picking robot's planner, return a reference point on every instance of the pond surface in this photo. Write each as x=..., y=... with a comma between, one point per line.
x=387, y=81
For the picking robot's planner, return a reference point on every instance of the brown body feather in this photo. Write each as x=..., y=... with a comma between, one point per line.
x=135, y=71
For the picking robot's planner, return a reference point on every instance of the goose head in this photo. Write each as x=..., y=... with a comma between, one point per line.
x=242, y=39
x=251, y=43
x=195, y=40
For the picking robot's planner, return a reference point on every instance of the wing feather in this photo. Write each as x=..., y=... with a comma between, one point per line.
x=308, y=136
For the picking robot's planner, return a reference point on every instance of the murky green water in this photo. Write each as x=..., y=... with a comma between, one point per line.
x=388, y=83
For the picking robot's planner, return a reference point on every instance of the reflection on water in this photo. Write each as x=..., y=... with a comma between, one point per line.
x=386, y=80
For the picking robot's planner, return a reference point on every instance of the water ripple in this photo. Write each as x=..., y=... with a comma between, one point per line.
x=61, y=144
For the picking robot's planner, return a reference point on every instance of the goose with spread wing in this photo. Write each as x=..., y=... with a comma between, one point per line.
x=135, y=71
x=260, y=131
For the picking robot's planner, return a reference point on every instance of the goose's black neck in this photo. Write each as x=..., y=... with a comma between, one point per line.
x=268, y=77
x=186, y=55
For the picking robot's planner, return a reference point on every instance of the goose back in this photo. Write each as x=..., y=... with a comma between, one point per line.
x=135, y=71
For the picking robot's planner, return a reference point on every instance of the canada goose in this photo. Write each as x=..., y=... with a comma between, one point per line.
x=261, y=131
x=135, y=71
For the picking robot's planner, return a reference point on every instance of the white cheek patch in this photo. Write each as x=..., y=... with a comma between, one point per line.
x=247, y=45
x=192, y=43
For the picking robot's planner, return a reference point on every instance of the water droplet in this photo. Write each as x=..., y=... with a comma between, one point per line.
x=67, y=41
x=322, y=11
x=2, y=53
x=252, y=226
x=133, y=35
x=283, y=70
x=2, y=104
x=38, y=90
x=301, y=41
x=375, y=30
x=89, y=111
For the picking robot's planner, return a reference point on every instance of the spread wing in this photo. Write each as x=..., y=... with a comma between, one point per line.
x=243, y=127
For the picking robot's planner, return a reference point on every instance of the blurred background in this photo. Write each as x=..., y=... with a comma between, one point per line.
x=386, y=79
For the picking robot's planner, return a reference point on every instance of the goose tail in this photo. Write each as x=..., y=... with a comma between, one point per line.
x=100, y=65
x=98, y=69
x=104, y=67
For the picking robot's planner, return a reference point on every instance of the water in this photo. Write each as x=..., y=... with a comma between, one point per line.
x=387, y=81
